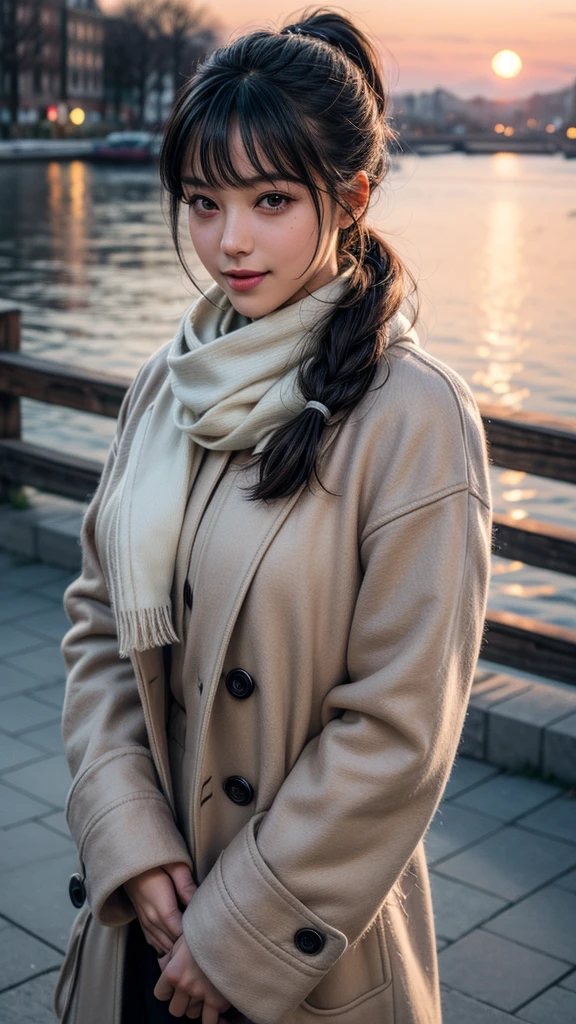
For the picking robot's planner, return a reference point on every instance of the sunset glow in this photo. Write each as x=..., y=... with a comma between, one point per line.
x=445, y=44
x=506, y=64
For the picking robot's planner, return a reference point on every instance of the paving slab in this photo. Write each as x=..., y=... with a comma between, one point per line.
x=569, y=982
x=497, y=971
x=511, y=863
x=557, y=818
x=14, y=640
x=45, y=662
x=507, y=796
x=516, y=726
x=467, y=773
x=545, y=921
x=29, y=576
x=13, y=681
x=29, y=844
x=454, y=828
x=47, y=780
x=51, y=624
x=557, y=1004
x=459, y=1009
x=39, y=900
x=52, y=694
x=559, y=749
x=15, y=752
x=22, y=956
x=18, y=604
x=20, y=713
x=16, y=807
x=47, y=737
x=567, y=881
x=56, y=822
x=459, y=908
x=30, y=1003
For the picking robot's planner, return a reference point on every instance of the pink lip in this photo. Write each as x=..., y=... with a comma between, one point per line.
x=243, y=280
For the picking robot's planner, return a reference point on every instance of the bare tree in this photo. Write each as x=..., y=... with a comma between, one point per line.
x=149, y=40
x=22, y=36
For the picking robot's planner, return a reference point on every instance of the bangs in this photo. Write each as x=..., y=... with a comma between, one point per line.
x=200, y=140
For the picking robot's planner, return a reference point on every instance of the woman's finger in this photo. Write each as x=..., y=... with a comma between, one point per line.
x=179, y=1003
x=210, y=1014
x=194, y=1009
x=155, y=937
x=163, y=988
x=183, y=882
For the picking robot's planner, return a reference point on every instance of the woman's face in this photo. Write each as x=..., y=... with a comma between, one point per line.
x=268, y=228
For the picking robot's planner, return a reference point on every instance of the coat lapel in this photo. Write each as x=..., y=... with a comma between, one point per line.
x=255, y=525
x=254, y=529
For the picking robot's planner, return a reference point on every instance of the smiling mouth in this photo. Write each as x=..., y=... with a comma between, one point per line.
x=243, y=280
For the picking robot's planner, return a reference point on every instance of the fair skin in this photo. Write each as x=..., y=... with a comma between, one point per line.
x=271, y=227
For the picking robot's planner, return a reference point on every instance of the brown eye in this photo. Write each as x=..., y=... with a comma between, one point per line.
x=276, y=200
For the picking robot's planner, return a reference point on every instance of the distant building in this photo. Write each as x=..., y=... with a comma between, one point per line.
x=51, y=57
x=442, y=111
x=83, y=63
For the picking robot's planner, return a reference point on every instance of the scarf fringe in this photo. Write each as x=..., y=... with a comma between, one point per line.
x=142, y=628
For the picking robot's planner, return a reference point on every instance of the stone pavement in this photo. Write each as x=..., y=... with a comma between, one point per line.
x=501, y=849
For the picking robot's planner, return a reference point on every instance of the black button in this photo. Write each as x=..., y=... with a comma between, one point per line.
x=77, y=890
x=238, y=789
x=239, y=683
x=188, y=593
x=309, y=941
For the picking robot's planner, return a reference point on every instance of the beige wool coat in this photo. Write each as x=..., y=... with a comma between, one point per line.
x=359, y=615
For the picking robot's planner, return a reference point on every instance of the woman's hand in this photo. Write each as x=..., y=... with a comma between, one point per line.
x=154, y=895
x=190, y=992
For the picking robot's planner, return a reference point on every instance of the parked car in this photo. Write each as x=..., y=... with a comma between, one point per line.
x=127, y=147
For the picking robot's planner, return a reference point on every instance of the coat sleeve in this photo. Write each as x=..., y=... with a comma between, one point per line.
x=117, y=814
x=359, y=799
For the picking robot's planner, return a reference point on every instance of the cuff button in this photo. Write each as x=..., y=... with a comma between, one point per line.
x=309, y=941
x=77, y=890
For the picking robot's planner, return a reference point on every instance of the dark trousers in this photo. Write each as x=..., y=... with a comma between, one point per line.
x=141, y=972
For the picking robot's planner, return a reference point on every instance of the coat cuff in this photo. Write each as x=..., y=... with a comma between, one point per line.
x=122, y=826
x=240, y=926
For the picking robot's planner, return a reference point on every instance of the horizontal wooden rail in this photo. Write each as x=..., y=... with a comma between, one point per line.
x=45, y=380
x=536, y=543
x=531, y=442
x=530, y=645
x=33, y=465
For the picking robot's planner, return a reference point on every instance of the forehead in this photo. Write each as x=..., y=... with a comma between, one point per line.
x=236, y=159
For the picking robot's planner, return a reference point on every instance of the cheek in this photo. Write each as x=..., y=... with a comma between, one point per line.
x=204, y=234
x=292, y=234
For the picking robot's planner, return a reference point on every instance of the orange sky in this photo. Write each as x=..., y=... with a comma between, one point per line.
x=450, y=43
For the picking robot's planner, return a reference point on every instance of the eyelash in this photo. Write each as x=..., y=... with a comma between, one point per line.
x=278, y=209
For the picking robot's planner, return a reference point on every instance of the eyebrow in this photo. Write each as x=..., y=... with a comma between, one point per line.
x=257, y=179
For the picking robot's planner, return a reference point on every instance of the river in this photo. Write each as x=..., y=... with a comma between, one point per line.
x=85, y=251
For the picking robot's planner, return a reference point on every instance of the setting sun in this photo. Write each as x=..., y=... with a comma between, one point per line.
x=506, y=64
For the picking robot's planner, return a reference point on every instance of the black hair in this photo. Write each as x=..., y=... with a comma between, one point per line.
x=310, y=99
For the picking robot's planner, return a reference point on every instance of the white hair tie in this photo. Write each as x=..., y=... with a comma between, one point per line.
x=321, y=408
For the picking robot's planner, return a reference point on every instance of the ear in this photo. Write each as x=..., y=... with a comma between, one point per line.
x=357, y=197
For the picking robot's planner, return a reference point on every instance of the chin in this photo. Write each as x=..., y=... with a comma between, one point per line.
x=254, y=306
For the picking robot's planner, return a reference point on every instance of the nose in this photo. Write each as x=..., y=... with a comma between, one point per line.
x=236, y=235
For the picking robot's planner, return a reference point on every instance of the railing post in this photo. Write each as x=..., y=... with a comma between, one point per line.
x=10, y=420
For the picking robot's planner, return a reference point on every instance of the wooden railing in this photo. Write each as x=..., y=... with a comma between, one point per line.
x=544, y=445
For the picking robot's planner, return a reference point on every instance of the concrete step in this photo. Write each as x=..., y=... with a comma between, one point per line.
x=514, y=720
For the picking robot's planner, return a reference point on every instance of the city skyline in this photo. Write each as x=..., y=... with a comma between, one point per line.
x=452, y=46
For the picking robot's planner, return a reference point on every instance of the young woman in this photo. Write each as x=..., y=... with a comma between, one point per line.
x=284, y=580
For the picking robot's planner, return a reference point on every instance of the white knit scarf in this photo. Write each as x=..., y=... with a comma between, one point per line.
x=228, y=388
